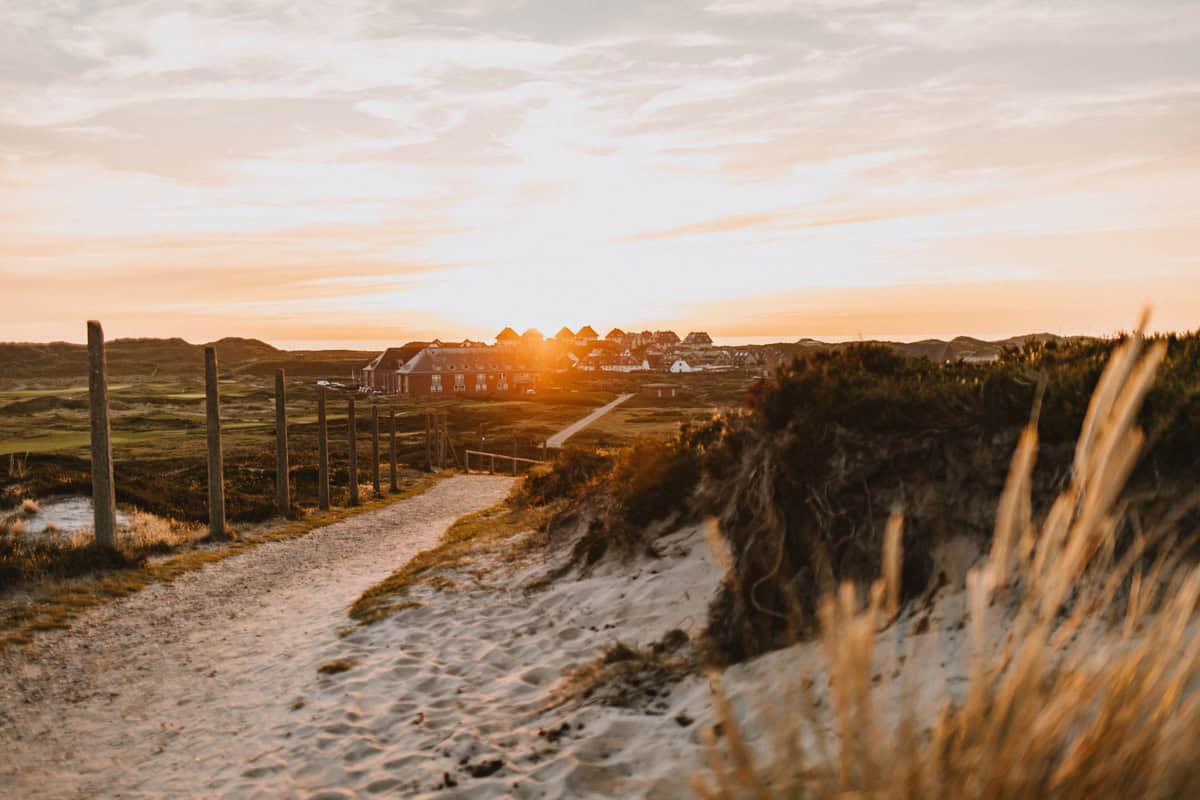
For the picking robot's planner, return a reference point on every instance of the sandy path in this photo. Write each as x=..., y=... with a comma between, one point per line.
x=184, y=689
x=558, y=439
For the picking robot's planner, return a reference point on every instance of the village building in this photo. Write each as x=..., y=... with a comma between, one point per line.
x=382, y=374
x=681, y=365
x=508, y=338
x=565, y=335
x=666, y=338
x=698, y=339
x=616, y=335
x=586, y=335
x=434, y=371
x=532, y=336
x=624, y=364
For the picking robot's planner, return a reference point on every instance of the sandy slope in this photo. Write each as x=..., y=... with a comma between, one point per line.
x=186, y=689
x=208, y=687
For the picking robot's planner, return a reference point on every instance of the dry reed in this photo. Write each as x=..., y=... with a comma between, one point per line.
x=1090, y=691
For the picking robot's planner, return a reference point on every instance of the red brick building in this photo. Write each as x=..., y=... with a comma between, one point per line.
x=439, y=370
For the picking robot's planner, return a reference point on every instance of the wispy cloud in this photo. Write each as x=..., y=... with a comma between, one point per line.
x=657, y=154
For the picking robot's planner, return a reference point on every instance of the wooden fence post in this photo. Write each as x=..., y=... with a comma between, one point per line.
x=322, y=452
x=441, y=442
x=282, y=489
x=428, y=442
x=216, y=458
x=104, y=491
x=352, y=428
x=375, y=450
x=392, y=452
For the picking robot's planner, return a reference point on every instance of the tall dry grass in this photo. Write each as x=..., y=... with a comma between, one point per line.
x=1093, y=690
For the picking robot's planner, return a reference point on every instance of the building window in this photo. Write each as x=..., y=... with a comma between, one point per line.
x=460, y=382
x=435, y=383
x=502, y=383
x=481, y=382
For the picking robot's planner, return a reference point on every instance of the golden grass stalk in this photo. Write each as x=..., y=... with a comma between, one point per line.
x=1062, y=705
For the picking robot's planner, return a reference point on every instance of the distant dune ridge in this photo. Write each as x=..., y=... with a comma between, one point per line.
x=175, y=355
x=61, y=359
x=960, y=348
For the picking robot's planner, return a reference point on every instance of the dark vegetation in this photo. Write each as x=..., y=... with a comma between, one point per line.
x=803, y=478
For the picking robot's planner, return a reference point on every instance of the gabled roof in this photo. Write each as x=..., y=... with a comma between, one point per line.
x=615, y=333
x=698, y=337
x=587, y=332
x=668, y=337
x=464, y=359
x=564, y=333
x=508, y=335
x=396, y=357
x=533, y=334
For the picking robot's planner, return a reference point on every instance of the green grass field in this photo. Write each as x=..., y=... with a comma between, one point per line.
x=158, y=423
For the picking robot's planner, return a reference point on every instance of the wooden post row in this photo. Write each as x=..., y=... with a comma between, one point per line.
x=216, y=459
x=322, y=452
x=392, y=452
x=352, y=431
x=282, y=489
x=104, y=493
x=375, y=450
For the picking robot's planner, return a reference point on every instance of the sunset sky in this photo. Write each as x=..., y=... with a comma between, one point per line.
x=361, y=173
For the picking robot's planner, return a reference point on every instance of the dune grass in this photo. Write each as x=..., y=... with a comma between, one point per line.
x=1050, y=711
x=99, y=576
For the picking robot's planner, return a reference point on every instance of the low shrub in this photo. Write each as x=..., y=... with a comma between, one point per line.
x=569, y=475
x=804, y=481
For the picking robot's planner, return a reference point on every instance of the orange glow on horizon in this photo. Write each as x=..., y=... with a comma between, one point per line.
x=759, y=169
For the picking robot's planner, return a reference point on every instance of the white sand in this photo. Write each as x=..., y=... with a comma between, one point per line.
x=208, y=687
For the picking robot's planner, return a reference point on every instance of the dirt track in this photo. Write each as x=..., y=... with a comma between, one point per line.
x=175, y=690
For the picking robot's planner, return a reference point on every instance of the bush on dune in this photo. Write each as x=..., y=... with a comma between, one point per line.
x=1046, y=712
x=804, y=482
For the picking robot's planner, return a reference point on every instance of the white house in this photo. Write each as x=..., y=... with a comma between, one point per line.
x=679, y=365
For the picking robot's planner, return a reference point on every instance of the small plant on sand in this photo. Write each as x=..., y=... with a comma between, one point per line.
x=30, y=507
x=17, y=466
x=1091, y=692
x=628, y=677
x=334, y=667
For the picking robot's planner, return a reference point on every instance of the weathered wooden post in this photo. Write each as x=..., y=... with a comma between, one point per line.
x=322, y=453
x=282, y=489
x=392, y=453
x=352, y=467
x=441, y=442
x=216, y=458
x=428, y=442
x=104, y=491
x=375, y=450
